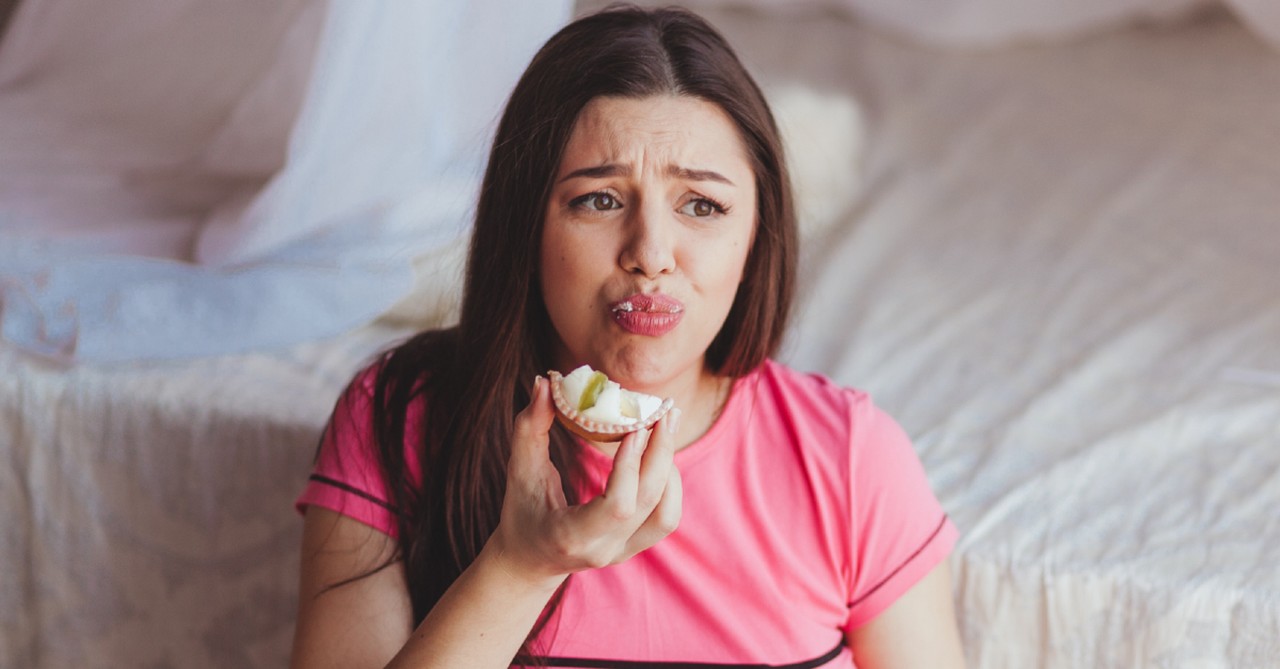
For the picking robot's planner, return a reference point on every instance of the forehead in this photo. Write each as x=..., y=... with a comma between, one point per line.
x=665, y=128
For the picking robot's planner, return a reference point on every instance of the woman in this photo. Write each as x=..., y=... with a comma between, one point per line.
x=635, y=216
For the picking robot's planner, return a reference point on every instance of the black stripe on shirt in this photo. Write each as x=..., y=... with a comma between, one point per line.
x=589, y=663
x=941, y=524
x=321, y=478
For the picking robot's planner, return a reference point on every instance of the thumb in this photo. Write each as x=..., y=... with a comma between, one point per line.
x=533, y=424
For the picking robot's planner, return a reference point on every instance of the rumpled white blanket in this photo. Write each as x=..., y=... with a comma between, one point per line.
x=186, y=178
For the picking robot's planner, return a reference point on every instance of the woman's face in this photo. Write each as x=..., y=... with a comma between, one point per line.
x=651, y=216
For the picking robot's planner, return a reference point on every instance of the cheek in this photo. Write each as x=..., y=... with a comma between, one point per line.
x=568, y=281
x=561, y=271
x=722, y=273
x=735, y=261
x=550, y=252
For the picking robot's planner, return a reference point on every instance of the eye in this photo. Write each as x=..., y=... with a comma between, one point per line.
x=702, y=207
x=597, y=201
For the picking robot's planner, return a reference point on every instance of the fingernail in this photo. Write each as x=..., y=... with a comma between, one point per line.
x=537, y=384
x=673, y=421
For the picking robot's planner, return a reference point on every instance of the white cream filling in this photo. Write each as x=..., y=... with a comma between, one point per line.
x=615, y=406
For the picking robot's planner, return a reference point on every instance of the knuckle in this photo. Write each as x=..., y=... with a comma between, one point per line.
x=620, y=510
x=577, y=552
x=578, y=555
x=568, y=552
x=649, y=499
x=668, y=523
x=668, y=518
x=597, y=560
x=525, y=431
x=523, y=424
x=564, y=552
x=627, y=466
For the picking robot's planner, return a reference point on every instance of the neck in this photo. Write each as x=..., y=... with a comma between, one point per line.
x=700, y=409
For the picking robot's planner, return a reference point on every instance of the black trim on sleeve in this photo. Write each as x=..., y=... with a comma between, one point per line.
x=346, y=487
x=588, y=663
x=941, y=524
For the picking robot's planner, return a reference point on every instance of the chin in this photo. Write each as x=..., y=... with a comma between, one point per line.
x=647, y=370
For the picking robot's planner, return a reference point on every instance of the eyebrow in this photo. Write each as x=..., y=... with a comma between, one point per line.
x=614, y=170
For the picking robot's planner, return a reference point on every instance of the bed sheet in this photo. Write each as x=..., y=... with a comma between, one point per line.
x=1061, y=272
x=146, y=514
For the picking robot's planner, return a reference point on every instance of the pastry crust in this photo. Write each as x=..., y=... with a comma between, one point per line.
x=592, y=430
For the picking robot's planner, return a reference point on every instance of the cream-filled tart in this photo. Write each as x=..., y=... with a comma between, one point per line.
x=598, y=409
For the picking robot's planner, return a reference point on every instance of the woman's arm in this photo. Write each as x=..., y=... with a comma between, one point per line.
x=481, y=620
x=362, y=623
x=484, y=617
x=918, y=630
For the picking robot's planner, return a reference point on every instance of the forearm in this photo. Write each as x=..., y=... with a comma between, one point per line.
x=482, y=619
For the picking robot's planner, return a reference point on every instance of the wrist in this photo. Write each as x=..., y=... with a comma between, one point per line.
x=494, y=554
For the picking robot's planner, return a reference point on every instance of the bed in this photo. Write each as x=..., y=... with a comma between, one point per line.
x=1056, y=262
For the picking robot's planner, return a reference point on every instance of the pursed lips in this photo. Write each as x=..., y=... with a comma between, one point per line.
x=648, y=314
x=650, y=303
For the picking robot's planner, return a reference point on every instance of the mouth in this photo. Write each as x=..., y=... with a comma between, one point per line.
x=656, y=303
x=648, y=315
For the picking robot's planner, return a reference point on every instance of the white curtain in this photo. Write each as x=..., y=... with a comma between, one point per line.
x=194, y=177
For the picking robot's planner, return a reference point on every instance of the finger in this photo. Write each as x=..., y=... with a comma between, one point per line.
x=532, y=480
x=657, y=462
x=617, y=504
x=533, y=426
x=664, y=519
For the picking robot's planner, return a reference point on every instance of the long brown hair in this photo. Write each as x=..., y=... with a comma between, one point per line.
x=476, y=376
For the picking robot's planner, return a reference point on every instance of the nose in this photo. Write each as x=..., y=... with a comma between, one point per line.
x=649, y=248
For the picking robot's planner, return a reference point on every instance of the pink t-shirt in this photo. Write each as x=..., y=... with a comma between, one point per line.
x=806, y=513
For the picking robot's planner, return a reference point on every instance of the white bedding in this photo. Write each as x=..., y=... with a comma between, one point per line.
x=1063, y=276
x=145, y=513
x=1060, y=273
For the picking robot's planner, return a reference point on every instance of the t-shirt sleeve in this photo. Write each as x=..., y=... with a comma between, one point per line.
x=346, y=477
x=900, y=530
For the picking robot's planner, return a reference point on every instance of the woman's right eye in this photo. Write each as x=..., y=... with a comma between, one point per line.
x=597, y=201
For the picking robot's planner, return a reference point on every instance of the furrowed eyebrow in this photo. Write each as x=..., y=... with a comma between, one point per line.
x=614, y=170
x=597, y=172
x=698, y=175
